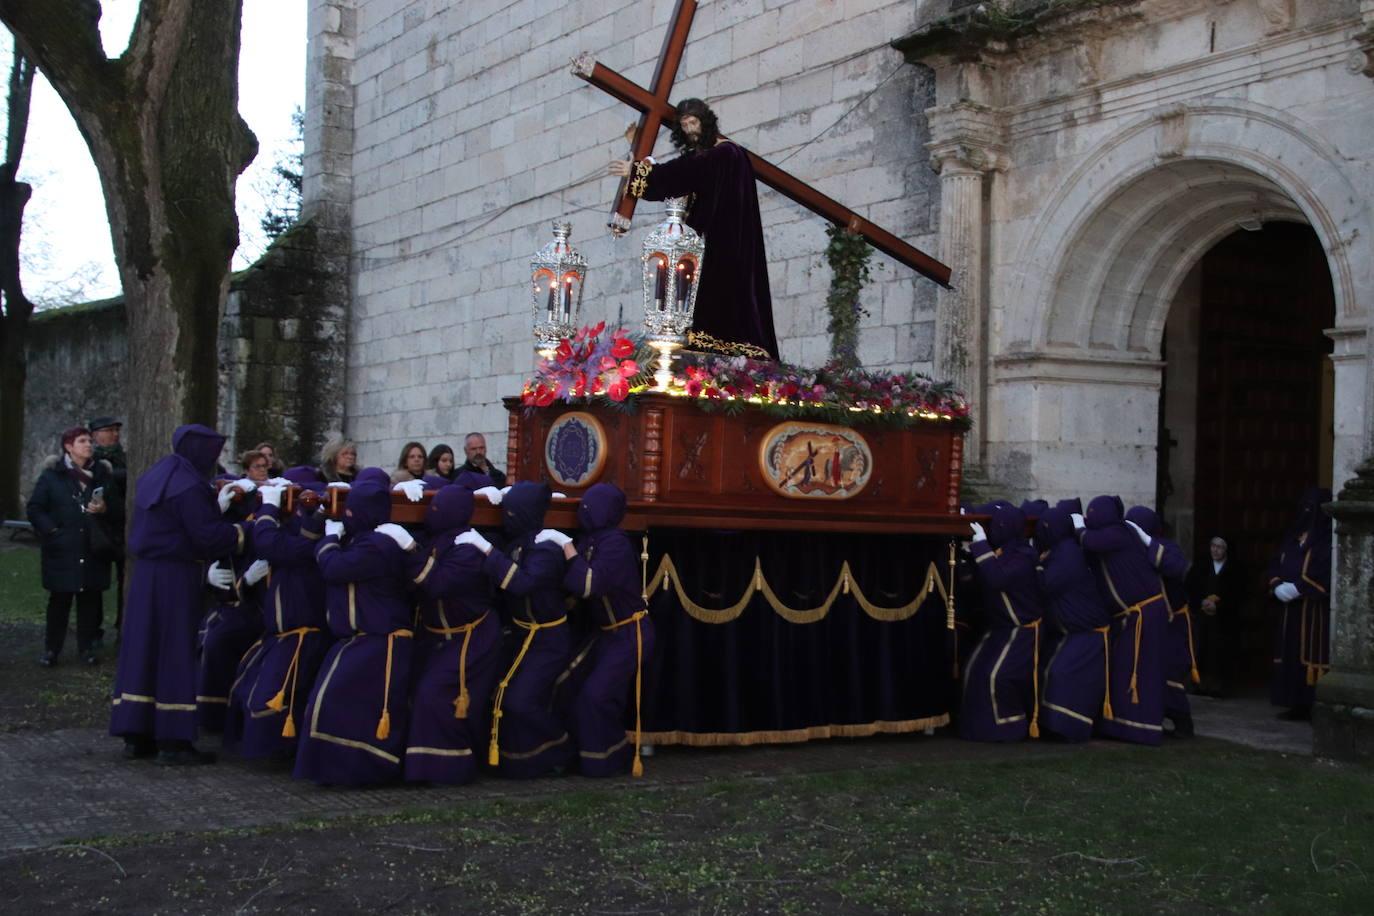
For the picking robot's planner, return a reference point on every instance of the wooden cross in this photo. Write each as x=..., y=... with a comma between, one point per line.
x=656, y=111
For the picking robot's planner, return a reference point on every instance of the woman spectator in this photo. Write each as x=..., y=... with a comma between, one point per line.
x=269, y=451
x=256, y=465
x=440, y=463
x=339, y=461
x=70, y=514
x=411, y=464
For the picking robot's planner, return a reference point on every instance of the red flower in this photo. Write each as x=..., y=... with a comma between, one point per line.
x=693, y=388
x=628, y=368
x=622, y=348
x=543, y=396
x=564, y=349
x=711, y=392
x=580, y=384
x=606, y=363
x=597, y=384
x=597, y=329
x=619, y=390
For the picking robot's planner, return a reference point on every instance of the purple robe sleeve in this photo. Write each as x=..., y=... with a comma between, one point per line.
x=1168, y=558
x=208, y=535
x=449, y=572
x=538, y=568
x=613, y=566
x=279, y=546
x=1107, y=540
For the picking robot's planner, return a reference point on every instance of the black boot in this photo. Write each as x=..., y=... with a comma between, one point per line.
x=182, y=753
x=1183, y=726
x=137, y=747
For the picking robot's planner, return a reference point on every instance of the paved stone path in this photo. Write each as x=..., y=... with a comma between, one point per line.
x=72, y=784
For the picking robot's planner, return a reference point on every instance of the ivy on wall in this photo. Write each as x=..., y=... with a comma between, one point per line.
x=848, y=255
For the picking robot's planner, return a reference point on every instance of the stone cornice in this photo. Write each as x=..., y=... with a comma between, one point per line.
x=998, y=28
x=967, y=136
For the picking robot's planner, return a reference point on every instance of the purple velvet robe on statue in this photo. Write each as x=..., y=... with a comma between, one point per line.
x=273, y=685
x=1128, y=576
x=605, y=574
x=734, y=303
x=1304, y=559
x=1075, y=679
x=999, y=701
x=531, y=739
x=355, y=724
x=176, y=529
x=458, y=649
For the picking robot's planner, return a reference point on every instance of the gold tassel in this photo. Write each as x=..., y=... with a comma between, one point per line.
x=278, y=702
x=460, y=705
x=493, y=755
x=288, y=730
x=637, y=768
x=1034, y=729
x=384, y=725
x=1197, y=678
x=1107, y=706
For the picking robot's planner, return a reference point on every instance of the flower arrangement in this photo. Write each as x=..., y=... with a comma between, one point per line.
x=596, y=364
x=591, y=364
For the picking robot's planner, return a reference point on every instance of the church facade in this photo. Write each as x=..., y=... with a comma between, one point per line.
x=1156, y=211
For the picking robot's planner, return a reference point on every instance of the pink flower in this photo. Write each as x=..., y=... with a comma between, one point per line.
x=606, y=363
x=693, y=387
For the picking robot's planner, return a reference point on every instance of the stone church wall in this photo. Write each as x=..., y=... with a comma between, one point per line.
x=470, y=135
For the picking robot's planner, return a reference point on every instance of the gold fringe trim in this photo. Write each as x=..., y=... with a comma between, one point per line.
x=667, y=575
x=795, y=735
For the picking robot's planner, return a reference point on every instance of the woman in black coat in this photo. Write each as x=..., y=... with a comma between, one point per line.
x=73, y=521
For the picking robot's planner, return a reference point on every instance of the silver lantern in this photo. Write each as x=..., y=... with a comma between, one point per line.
x=558, y=273
x=673, y=261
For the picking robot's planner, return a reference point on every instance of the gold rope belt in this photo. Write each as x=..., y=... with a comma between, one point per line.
x=494, y=752
x=1035, y=679
x=1138, y=609
x=1192, y=652
x=293, y=670
x=1106, y=670
x=460, y=705
x=384, y=723
x=637, y=768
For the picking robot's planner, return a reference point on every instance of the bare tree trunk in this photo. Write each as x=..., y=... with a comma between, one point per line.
x=14, y=322
x=163, y=127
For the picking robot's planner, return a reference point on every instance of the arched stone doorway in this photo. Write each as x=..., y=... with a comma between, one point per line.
x=1246, y=403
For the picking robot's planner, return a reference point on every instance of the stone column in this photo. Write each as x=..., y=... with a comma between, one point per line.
x=965, y=147
x=1343, y=715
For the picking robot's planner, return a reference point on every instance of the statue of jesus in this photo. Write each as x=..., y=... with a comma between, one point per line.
x=734, y=311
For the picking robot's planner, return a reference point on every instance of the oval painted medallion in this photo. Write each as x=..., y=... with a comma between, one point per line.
x=815, y=460
x=575, y=449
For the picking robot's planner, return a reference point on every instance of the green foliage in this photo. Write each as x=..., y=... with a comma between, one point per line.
x=848, y=254
x=22, y=598
x=288, y=176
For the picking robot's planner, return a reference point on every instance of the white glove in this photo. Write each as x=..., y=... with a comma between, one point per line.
x=551, y=534
x=339, y=485
x=333, y=528
x=246, y=484
x=1078, y=523
x=978, y=533
x=278, y=482
x=396, y=532
x=560, y=496
x=506, y=489
x=271, y=494
x=1285, y=591
x=475, y=539
x=492, y=494
x=413, y=489
x=257, y=572
x=219, y=577
x=225, y=497
x=1140, y=533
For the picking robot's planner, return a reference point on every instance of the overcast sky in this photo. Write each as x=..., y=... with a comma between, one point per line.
x=66, y=233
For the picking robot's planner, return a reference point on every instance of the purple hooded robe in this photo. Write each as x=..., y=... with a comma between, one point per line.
x=355, y=723
x=1075, y=680
x=231, y=627
x=274, y=680
x=605, y=574
x=176, y=530
x=1128, y=577
x=1302, y=654
x=458, y=648
x=1180, y=663
x=527, y=738
x=999, y=701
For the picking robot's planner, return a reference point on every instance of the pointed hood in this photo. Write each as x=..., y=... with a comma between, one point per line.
x=200, y=445
x=1007, y=526
x=304, y=476
x=1103, y=511
x=195, y=452
x=1053, y=526
x=603, y=506
x=368, y=505
x=1073, y=504
x=450, y=510
x=1146, y=518
x=474, y=480
x=1035, y=507
x=373, y=475
x=522, y=509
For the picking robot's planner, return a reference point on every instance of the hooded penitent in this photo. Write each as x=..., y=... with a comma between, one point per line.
x=449, y=511
x=522, y=510
x=195, y=450
x=1102, y=512
x=1145, y=518
x=1035, y=507
x=1007, y=527
x=1072, y=504
x=369, y=504
x=1053, y=526
x=603, y=506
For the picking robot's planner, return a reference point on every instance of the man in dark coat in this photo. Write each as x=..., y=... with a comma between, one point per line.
x=105, y=432
x=176, y=530
x=734, y=303
x=75, y=511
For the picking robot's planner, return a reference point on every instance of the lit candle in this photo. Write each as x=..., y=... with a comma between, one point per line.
x=567, y=298
x=661, y=285
x=552, y=287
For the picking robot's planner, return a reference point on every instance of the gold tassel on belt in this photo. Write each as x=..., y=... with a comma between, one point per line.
x=494, y=751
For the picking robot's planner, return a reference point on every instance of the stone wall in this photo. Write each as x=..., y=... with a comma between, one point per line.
x=470, y=136
x=75, y=372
